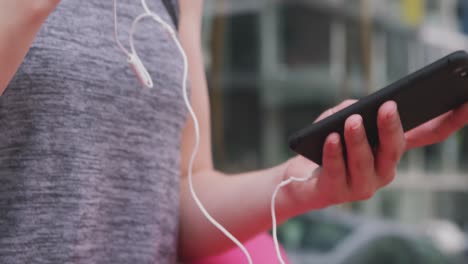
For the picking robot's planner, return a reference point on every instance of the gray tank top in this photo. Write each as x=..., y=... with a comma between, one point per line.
x=89, y=160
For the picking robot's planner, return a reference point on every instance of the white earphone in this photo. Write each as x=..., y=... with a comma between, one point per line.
x=137, y=65
x=145, y=78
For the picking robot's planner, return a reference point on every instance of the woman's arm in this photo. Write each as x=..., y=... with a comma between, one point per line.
x=20, y=21
x=241, y=200
x=241, y=203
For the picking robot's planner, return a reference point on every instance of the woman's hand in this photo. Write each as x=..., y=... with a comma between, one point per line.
x=365, y=171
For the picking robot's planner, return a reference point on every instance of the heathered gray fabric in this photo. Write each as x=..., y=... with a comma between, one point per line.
x=89, y=160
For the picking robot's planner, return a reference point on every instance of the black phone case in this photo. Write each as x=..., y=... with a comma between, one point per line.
x=420, y=96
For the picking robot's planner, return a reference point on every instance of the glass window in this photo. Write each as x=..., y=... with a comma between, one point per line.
x=243, y=42
x=428, y=254
x=397, y=56
x=310, y=234
x=323, y=236
x=387, y=250
x=305, y=35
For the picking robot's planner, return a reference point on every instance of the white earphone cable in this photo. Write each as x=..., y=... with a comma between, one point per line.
x=145, y=6
x=143, y=74
x=192, y=159
x=116, y=31
x=273, y=211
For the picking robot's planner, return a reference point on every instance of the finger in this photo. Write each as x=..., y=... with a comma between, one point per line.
x=451, y=122
x=438, y=128
x=418, y=136
x=345, y=104
x=334, y=168
x=392, y=142
x=327, y=113
x=335, y=109
x=461, y=116
x=361, y=169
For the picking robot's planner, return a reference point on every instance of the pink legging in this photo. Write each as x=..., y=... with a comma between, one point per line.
x=261, y=248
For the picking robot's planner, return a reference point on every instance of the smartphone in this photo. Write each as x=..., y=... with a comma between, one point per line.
x=420, y=97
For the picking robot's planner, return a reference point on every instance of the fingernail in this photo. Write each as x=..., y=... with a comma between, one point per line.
x=391, y=111
x=334, y=139
x=356, y=122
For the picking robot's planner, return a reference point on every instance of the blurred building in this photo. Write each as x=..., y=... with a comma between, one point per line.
x=275, y=65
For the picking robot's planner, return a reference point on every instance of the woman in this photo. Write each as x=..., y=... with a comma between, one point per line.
x=93, y=167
